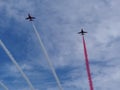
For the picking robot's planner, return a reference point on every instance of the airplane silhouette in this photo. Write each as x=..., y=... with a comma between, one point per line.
x=30, y=18
x=82, y=32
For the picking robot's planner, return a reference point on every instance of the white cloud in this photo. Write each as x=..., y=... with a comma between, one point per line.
x=17, y=9
x=60, y=22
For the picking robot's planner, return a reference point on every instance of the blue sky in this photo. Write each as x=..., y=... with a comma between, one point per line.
x=58, y=22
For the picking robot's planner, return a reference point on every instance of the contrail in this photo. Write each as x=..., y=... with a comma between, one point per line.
x=47, y=57
x=87, y=65
x=16, y=64
x=4, y=86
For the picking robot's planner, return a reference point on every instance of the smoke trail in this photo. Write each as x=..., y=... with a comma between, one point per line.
x=47, y=57
x=3, y=85
x=87, y=65
x=16, y=64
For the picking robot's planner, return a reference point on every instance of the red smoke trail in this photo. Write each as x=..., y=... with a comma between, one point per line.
x=87, y=64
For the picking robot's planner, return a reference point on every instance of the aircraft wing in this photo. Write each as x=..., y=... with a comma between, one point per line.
x=85, y=32
x=27, y=18
x=33, y=17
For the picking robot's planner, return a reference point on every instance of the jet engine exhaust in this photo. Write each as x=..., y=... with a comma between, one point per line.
x=3, y=85
x=87, y=64
x=16, y=64
x=47, y=57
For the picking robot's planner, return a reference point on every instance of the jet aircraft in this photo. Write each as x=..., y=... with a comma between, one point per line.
x=82, y=32
x=30, y=18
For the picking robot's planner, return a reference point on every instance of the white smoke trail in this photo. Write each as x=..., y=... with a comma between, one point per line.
x=16, y=64
x=3, y=85
x=47, y=57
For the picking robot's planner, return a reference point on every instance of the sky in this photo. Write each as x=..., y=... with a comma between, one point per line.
x=58, y=22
